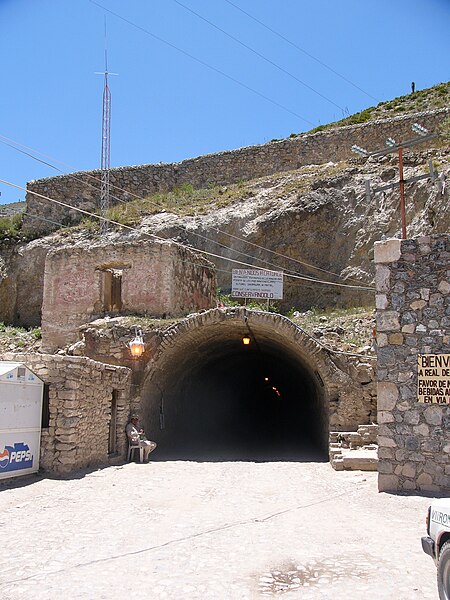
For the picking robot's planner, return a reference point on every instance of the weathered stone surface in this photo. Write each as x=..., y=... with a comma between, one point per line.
x=79, y=282
x=418, y=304
x=387, y=251
x=221, y=168
x=388, y=483
x=420, y=431
x=387, y=395
x=396, y=339
x=424, y=479
x=433, y=415
x=381, y=301
x=444, y=287
x=388, y=321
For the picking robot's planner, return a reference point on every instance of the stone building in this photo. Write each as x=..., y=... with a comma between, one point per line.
x=142, y=278
x=86, y=406
x=413, y=318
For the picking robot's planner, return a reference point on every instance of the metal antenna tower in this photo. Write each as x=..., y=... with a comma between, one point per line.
x=106, y=154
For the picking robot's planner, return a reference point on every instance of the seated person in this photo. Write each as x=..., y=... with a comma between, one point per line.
x=136, y=436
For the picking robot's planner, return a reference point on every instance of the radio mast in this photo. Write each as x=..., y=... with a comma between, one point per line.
x=106, y=154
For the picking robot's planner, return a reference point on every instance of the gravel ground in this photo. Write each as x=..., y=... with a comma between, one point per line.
x=212, y=531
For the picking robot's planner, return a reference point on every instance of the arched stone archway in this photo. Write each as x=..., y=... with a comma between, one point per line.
x=206, y=395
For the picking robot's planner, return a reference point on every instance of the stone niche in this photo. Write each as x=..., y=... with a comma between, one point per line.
x=413, y=318
x=156, y=279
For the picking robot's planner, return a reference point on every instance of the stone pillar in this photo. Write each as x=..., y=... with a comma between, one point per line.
x=413, y=317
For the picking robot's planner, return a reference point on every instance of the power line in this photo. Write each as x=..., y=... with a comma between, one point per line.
x=300, y=262
x=202, y=62
x=181, y=227
x=69, y=175
x=278, y=34
x=152, y=235
x=271, y=62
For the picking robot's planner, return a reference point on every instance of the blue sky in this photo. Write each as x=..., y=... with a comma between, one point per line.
x=167, y=106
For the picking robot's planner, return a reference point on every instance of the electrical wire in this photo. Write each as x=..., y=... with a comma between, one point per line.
x=154, y=236
x=320, y=62
x=296, y=260
x=69, y=175
x=180, y=227
x=268, y=60
x=202, y=62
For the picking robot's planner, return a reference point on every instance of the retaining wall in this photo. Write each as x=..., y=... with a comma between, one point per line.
x=82, y=189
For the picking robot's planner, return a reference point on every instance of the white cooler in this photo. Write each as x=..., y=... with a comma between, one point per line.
x=20, y=419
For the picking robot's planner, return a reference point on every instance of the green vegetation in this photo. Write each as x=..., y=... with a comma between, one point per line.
x=18, y=338
x=435, y=97
x=10, y=227
x=184, y=200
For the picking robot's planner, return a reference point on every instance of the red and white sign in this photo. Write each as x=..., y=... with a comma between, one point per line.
x=257, y=283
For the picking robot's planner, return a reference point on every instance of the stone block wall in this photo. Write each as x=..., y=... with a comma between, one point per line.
x=350, y=381
x=413, y=317
x=82, y=189
x=157, y=278
x=80, y=392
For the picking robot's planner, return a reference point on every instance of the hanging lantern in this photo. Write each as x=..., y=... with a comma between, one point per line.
x=137, y=345
x=246, y=340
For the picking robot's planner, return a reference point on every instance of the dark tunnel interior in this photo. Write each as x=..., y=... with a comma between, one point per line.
x=245, y=404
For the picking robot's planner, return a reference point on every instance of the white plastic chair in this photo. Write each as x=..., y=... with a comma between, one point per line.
x=132, y=447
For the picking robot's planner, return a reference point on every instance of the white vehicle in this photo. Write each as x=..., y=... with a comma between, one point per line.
x=437, y=543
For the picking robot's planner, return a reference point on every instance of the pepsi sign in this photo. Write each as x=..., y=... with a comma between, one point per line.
x=15, y=458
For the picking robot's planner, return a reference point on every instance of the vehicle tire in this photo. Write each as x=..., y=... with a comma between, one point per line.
x=443, y=572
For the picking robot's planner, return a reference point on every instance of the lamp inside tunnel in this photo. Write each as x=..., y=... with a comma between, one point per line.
x=227, y=401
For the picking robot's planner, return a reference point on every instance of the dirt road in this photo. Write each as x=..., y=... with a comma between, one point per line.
x=212, y=531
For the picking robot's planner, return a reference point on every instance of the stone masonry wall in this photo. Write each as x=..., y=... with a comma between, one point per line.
x=413, y=317
x=157, y=278
x=82, y=189
x=350, y=382
x=80, y=394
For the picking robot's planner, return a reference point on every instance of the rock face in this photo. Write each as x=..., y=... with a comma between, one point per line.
x=316, y=219
x=307, y=220
x=315, y=222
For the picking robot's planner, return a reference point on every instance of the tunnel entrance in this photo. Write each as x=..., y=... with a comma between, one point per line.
x=212, y=398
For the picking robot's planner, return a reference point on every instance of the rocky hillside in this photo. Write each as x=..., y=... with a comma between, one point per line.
x=316, y=221
x=437, y=96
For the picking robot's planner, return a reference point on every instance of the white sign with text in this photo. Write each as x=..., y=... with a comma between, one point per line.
x=257, y=283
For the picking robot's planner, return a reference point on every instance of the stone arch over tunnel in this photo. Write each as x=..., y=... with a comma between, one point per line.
x=207, y=396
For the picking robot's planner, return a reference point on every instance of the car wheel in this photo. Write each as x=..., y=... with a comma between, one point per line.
x=443, y=572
